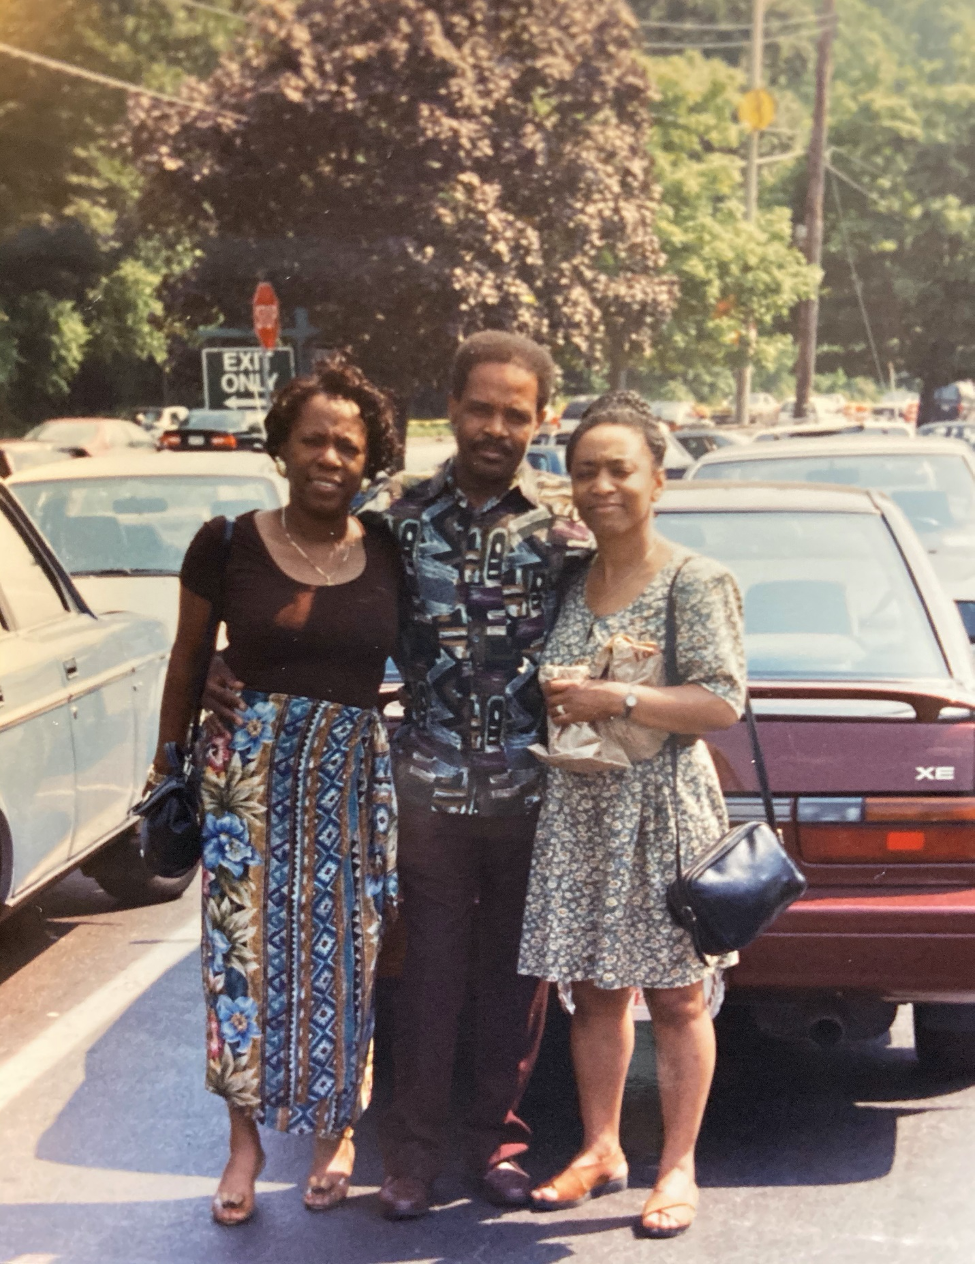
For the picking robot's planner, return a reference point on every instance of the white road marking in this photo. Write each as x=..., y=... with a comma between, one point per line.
x=103, y=1006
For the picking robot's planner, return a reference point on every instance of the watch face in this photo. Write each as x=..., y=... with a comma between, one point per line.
x=631, y=700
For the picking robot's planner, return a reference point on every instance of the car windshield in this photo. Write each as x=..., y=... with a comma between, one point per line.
x=139, y=525
x=67, y=432
x=226, y=420
x=934, y=491
x=826, y=596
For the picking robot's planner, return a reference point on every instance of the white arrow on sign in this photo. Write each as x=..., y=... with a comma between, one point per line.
x=249, y=402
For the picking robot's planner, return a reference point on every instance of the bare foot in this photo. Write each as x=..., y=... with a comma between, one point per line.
x=671, y=1205
x=329, y=1177
x=234, y=1201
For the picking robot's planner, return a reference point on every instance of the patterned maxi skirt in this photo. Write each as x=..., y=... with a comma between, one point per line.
x=299, y=854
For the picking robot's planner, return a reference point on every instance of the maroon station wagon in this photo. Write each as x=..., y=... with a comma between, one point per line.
x=862, y=680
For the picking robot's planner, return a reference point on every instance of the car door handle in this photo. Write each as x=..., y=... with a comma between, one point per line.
x=70, y=667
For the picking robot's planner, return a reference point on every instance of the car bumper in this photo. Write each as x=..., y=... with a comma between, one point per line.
x=905, y=946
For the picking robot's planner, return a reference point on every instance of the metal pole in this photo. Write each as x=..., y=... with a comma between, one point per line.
x=807, y=315
x=744, y=377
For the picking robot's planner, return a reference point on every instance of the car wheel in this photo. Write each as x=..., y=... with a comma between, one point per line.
x=945, y=1040
x=120, y=871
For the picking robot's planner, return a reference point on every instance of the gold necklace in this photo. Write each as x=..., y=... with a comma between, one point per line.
x=302, y=553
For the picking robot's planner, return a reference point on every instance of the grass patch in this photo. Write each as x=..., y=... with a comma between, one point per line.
x=438, y=427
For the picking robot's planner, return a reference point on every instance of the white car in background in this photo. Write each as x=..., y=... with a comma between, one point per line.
x=121, y=524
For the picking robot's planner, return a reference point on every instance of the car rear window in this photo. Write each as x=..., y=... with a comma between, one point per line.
x=65, y=432
x=137, y=524
x=826, y=596
x=225, y=420
x=934, y=491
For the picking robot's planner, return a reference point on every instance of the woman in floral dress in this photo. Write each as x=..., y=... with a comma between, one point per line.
x=596, y=916
x=299, y=833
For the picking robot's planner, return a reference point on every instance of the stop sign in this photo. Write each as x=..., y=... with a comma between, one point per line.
x=264, y=310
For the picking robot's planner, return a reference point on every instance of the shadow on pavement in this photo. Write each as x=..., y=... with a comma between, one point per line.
x=780, y=1115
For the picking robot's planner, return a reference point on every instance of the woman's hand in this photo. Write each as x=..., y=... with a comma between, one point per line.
x=584, y=701
x=222, y=694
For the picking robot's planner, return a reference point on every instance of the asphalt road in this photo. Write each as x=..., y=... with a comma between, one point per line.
x=110, y=1147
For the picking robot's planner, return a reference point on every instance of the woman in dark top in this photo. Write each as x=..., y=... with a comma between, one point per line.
x=299, y=833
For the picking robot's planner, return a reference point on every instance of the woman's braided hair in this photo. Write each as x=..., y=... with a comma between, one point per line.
x=337, y=376
x=621, y=408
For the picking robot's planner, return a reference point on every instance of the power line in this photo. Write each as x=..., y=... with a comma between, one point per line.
x=725, y=26
x=856, y=280
x=813, y=32
x=134, y=89
x=212, y=8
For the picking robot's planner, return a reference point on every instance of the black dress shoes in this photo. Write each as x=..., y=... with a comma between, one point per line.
x=404, y=1198
x=507, y=1185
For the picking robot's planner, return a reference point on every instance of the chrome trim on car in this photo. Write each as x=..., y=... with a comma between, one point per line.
x=749, y=807
x=69, y=694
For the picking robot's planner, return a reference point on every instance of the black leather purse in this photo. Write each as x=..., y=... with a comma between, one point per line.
x=733, y=891
x=169, y=835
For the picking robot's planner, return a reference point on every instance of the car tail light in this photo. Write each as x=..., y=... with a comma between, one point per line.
x=169, y=441
x=914, y=829
x=223, y=441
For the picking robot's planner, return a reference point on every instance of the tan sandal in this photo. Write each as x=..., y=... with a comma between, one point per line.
x=577, y=1185
x=645, y=1230
x=327, y=1191
x=236, y=1211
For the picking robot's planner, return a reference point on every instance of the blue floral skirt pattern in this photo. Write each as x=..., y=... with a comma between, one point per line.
x=299, y=856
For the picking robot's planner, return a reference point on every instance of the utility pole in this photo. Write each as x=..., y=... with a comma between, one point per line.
x=807, y=315
x=745, y=374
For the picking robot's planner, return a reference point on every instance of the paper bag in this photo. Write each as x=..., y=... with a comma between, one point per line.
x=631, y=662
x=577, y=747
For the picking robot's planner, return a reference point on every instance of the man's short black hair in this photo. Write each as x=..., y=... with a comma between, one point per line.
x=496, y=346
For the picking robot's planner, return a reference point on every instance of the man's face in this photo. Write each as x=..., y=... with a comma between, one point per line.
x=494, y=422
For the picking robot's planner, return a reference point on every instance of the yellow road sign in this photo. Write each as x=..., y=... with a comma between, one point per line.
x=757, y=109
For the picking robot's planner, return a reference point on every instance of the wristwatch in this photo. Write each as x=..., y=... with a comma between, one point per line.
x=630, y=702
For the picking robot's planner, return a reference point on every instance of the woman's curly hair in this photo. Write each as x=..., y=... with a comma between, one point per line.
x=336, y=375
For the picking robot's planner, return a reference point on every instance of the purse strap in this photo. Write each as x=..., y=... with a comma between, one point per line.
x=672, y=677
x=210, y=636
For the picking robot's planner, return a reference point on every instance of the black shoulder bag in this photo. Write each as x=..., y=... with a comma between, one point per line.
x=169, y=836
x=733, y=891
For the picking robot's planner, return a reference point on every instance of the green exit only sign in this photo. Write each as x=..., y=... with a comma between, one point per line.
x=237, y=377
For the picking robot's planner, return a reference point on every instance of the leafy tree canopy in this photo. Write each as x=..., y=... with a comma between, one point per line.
x=413, y=170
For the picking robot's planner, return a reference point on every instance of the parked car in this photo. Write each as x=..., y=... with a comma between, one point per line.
x=837, y=425
x=762, y=408
x=697, y=440
x=121, y=524
x=548, y=457
x=92, y=436
x=21, y=454
x=931, y=480
x=862, y=680
x=674, y=412
x=575, y=407
x=898, y=406
x=217, y=429
x=953, y=403
x=821, y=410
x=963, y=430
x=79, y=709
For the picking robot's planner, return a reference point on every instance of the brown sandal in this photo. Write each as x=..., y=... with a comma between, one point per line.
x=235, y=1211
x=577, y=1185
x=327, y=1191
x=644, y=1230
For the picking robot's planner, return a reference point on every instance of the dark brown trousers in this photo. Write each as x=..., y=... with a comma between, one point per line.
x=463, y=881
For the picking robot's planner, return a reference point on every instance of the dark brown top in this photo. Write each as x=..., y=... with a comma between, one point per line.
x=327, y=642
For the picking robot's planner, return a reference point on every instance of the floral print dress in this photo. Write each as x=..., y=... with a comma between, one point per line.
x=605, y=844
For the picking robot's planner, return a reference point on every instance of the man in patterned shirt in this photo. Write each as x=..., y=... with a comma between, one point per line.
x=483, y=542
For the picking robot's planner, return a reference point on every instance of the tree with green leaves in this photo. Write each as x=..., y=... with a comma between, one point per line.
x=81, y=310
x=732, y=276
x=414, y=170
